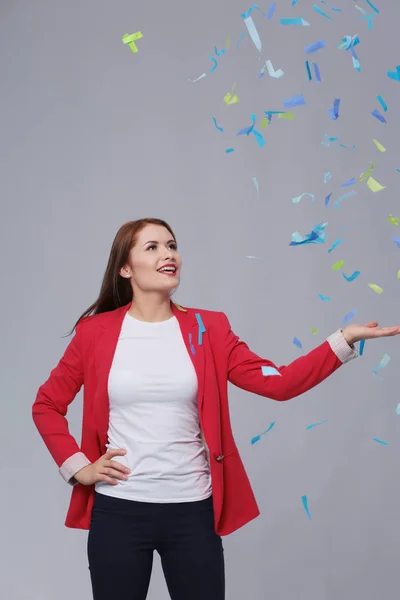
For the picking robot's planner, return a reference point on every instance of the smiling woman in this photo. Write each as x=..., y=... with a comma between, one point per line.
x=158, y=467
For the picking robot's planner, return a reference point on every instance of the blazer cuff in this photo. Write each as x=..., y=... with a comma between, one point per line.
x=340, y=347
x=72, y=465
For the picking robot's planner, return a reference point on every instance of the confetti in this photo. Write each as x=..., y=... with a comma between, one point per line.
x=202, y=329
x=382, y=363
x=327, y=177
x=229, y=150
x=328, y=140
x=215, y=122
x=231, y=98
x=397, y=241
x=317, y=236
x=394, y=220
x=398, y=409
x=351, y=181
x=313, y=330
x=316, y=424
x=258, y=437
x=367, y=173
x=349, y=316
x=379, y=146
x=270, y=371
x=254, y=179
x=337, y=265
x=286, y=115
x=305, y=504
x=376, y=288
x=327, y=199
x=334, y=113
x=317, y=72
x=130, y=39
x=215, y=64
x=381, y=442
x=382, y=103
x=271, y=71
x=335, y=244
x=362, y=344
x=395, y=75
x=297, y=342
x=201, y=77
x=294, y=101
x=375, y=113
x=324, y=298
x=321, y=12
x=374, y=185
x=192, y=348
x=271, y=10
x=314, y=47
x=297, y=200
x=352, y=277
x=308, y=70
x=299, y=21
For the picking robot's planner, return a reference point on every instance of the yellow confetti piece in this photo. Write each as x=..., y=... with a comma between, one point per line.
x=338, y=265
x=231, y=98
x=228, y=41
x=379, y=146
x=313, y=330
x=394, y=220
x=367, y=173
x=130, y=38
x=286, y=116
x=376, y=288
x=374, y=185
x=398, y=274
x=264, y=122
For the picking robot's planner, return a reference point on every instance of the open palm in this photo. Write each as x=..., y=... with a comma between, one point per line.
x=356, y=333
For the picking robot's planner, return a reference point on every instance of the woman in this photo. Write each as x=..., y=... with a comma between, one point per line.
x=158, y=467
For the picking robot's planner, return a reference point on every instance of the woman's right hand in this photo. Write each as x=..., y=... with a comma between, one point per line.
x=104, y=469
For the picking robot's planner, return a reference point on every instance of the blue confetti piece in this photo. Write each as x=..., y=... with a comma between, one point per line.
x=230, y=150
x=382, y=103
x=398, y=409
x=395, y=75
x=349, y=316
x=215, y=65
x=305, y=504
x=396, y=240
x=317, y=72
x=202, y=329
x=297, y=342
x=215, y=122
x=220, y=53
x=316, y=424
x=327, y=176
x=335, y=244
x=327, y=199
x=314, y=47
x=192, y=348
x=266, y=370
x=375, y=113
x=308, y=70
x=271, y=10
x=294, y=2
x=321, y=12
x=294, y=101
x=298, y=21
x=240, y=39
x=352, y=277
x=382, y=363
x=381, y=442
x=248, y=13
x=327, y=140
x=351, y=181
x=362, y=344
x=372, y=6
x=324, y=298
x=258, y=437
x=334, y=113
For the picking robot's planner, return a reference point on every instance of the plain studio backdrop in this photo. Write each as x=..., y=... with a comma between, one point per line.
x=93, y=135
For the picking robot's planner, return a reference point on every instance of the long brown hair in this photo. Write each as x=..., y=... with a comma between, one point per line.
x=115, y=290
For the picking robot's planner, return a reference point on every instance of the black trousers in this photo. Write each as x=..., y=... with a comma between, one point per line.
x=123, y=535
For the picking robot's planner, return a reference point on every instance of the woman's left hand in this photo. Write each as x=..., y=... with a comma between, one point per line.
x=356, y=333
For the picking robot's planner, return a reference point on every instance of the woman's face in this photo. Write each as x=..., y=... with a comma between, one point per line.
x=154, y=249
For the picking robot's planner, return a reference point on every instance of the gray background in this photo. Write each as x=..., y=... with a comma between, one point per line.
x=92, y=136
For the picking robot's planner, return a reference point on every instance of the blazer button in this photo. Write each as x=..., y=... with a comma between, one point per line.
x=220, y=457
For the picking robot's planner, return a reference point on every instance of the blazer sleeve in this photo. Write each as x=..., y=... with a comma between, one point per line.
x=50, y=408
x=304, y=373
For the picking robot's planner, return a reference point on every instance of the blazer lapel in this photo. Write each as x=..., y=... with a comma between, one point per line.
x=193, y=334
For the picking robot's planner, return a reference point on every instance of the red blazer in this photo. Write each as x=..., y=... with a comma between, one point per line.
x=218, y=357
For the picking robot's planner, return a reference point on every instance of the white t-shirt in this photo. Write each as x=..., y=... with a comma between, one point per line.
x=152, y=389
